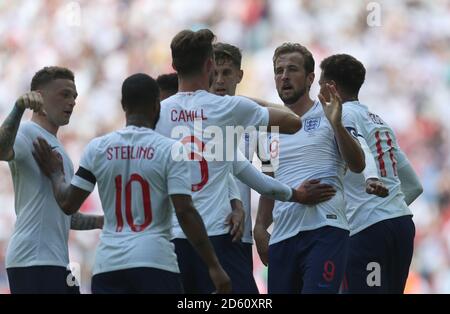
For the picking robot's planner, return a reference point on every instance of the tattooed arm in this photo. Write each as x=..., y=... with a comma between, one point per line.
x=80, y=221
x=8, y=130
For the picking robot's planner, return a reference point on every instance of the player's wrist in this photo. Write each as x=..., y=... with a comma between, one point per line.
x=19, y=105
x=293, y=197
x=300, y=195
x=337, y=125
x=259, y=231
x=55, y=174
x=237, y=208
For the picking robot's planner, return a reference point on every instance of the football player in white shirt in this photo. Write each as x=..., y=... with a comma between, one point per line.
x=168, y=85
x=193, y=59
x=309, y=243
x=227, y=75
x=37, y=257
x=381, y=229
x=139, y=184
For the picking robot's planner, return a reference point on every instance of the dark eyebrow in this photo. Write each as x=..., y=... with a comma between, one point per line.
x=70, y=91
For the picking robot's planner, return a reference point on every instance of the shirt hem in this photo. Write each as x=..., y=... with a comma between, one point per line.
x=135, y=265
x=353, y=232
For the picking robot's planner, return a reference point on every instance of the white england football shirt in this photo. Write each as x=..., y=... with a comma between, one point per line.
x=364, y=210
x=209, y=178
x=42, y=229
x=311, y=153
x=247, y=146
x=136, y=174
x=251, y=142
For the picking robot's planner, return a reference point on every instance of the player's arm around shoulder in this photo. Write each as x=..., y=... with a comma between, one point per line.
x=279, y=116
x=69, y=197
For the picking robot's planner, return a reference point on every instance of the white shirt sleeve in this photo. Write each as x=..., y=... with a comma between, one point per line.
x=178, y=174
x=350, y=123
x=261, y=183
x=21, y=146
x=84, y=177
x=249, y=113
x=239, y=162
x=410, y=183
x=233, y=190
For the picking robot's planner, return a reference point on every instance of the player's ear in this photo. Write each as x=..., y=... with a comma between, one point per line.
x=240, y=75
x=210, y=65
x=156, y=112
x=42, y=92
x=338, y=89
x=310, y=78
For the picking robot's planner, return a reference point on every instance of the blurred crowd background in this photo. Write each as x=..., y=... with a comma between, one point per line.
x=405, y=46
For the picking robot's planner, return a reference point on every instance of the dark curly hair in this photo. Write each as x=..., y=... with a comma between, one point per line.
x=346, y=71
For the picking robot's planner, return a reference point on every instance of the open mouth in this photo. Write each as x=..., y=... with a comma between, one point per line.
x=287, y=87
x=221, y=91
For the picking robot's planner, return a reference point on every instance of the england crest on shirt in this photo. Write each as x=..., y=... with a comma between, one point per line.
x=311, y=124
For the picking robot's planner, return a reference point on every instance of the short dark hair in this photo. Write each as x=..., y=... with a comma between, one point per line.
x=345, y=70
x=308, y=60
x=190, y=50
x=139, y=91
x=168, y=82
x=223, y=51
x=48, y=74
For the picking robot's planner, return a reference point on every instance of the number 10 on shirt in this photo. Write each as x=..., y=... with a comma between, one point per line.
x=128, y=200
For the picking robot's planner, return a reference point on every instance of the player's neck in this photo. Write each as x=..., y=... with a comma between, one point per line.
x=45, y=124
x=193, y=83
x=302, y=105
x=139, y=121
x=349, y=98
